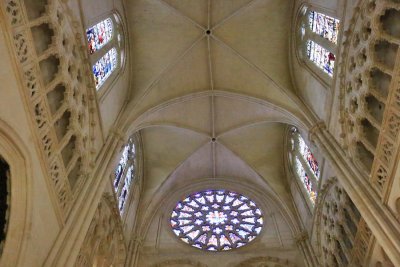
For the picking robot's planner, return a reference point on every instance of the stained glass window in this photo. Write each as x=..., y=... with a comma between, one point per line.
x=325, y=26
x=308, y=157
x=305, y=165
x=324, y=59
x=216, y=220
x=308, y=185
x=124, y=174
x=103, y=68
x=99, y=35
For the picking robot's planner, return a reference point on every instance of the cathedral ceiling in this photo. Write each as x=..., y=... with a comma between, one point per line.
x=190, y=86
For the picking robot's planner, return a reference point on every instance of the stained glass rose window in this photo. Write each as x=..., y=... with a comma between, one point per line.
x=216, y=220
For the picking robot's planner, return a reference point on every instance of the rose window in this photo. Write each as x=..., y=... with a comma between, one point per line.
x=216, y=220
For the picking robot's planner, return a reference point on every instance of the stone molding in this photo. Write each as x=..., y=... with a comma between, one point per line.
x=341, y=234
x=183, y=262
x=105, y=238
x=369, y=85
x=58, y=87
x=266, y=261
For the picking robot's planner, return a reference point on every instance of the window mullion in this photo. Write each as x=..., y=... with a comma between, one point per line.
x=123, y=179
x=307, y=168
x=328, y=45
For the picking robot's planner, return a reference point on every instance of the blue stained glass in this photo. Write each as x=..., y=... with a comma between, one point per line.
x=99, y=35
x=103, y=68
x=124, y=173
x=325, y=26
x=321, y=57
x=222, y=220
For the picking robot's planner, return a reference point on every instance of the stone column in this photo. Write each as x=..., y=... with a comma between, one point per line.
x=303, y=243
x=69, y=241
x=133, y=251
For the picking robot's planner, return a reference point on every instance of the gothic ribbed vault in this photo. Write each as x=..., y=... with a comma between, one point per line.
x=204, y=70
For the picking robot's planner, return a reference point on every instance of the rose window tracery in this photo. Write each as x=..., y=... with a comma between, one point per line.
x=216, y=220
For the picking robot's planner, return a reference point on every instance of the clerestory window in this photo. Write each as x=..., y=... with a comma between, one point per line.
x=4, y=201
x=104, y=46
x=305, y=166
x=125, y=174
x=319, y=35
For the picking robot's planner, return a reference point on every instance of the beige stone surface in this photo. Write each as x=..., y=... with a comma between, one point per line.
x=210, y=89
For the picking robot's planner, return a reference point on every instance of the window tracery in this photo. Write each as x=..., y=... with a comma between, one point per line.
x=343, y=236
x=216, y=220
x=104, y=45
x=319, y=36
x=124, y=174
x=305, y=165
x=369, y=92
x=51, y=66
x=104, y=241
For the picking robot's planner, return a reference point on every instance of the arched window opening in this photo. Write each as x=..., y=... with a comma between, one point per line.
x=4, y=200
x=125, y=174
x=99, y=35
x=305, y=165
x=318, y=37
x=105, y=49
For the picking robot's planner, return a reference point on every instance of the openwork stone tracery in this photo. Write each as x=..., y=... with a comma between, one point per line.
x=343, y=238
x=370, y=91
x=104, y=244
x=58, y=86
x=216, y=220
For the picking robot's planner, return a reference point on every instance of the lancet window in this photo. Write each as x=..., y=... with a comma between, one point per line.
x=4, y=201
x=125, y=174
x=319, y=37
x=104, y=46
x=305, y=165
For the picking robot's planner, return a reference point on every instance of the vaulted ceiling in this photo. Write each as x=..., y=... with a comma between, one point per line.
x=211, y=89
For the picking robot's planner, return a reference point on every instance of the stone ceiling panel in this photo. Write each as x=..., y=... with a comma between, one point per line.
x=260, y=34
x=189, y=75
x=233, y=113
x=193, y=114
x=222, y=9
x=193, y=9
x=262, y=147
x=232, y=73
x=159, y=36
x=165, y=148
